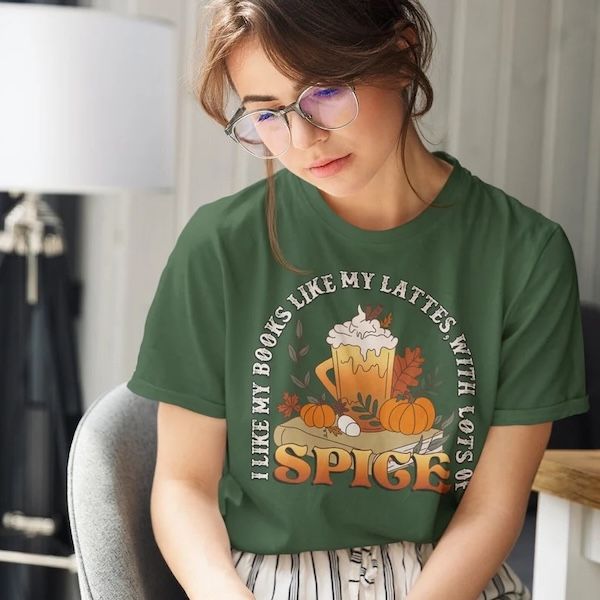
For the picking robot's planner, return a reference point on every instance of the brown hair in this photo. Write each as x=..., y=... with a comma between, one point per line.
x=349, y=41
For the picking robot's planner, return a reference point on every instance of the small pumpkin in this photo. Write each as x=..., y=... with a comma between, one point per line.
x=407, y=415
x=318, y=414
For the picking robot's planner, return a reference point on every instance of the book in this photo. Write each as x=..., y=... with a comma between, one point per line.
x=296, y=431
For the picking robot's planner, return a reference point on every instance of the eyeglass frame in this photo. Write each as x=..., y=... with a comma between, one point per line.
x=282, y=112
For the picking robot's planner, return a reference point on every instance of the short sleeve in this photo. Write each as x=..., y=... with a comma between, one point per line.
x=181, y=357
x=542, y=368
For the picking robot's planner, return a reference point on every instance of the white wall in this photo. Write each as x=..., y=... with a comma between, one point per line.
x=517, y=100
x=519, y=97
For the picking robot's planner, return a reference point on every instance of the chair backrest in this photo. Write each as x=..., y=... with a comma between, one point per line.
x=582, y=431
x=590, y=314
x=109, y=479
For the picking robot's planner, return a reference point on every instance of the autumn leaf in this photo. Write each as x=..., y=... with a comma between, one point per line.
x=406, y=370
x=334, y=429
x=340, y=406
x=289, y=405
x=371, y=313
x=386, y=321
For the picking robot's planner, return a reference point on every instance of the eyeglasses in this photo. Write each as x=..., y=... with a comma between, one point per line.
x=265, y=133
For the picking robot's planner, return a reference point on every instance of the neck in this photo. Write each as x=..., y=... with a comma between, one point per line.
x=387, y=199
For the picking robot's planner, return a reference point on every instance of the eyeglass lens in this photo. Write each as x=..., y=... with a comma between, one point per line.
x=266, y=134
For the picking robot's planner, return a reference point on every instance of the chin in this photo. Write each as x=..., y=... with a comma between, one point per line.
x=338, y=189
x=344, y=184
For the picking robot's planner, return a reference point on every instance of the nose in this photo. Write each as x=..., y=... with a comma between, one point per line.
x=303, y=133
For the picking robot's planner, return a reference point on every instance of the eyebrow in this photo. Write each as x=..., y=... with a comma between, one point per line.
x=258, y=98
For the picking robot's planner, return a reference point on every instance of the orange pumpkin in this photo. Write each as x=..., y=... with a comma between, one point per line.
x=407, y=416
x=318, y=415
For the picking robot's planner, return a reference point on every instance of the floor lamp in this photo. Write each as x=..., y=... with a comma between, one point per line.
x=87, y=106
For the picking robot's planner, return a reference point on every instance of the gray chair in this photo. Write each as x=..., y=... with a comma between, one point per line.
x=109, y=478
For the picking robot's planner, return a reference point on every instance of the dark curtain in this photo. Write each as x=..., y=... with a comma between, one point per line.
x=40, y=405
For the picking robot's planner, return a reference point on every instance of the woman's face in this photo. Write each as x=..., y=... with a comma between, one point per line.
x=370, y=139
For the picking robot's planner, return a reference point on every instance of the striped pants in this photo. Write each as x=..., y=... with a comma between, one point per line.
x=379, y=572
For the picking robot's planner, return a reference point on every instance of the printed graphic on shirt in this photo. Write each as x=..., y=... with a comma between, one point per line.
x=371, y=406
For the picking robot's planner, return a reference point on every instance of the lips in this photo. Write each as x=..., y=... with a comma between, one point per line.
x=324, y=161
x=331, y=168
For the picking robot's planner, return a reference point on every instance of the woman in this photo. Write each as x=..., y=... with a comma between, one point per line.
x=369, y=425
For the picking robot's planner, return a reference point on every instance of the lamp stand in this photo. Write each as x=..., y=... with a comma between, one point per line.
x=24, y=233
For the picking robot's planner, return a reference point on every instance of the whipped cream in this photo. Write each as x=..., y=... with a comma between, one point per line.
x=367, y=334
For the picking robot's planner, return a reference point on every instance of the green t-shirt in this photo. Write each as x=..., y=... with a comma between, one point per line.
x=358, y=396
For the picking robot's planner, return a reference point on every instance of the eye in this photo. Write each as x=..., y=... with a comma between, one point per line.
x=264, y=116
x=330, y=91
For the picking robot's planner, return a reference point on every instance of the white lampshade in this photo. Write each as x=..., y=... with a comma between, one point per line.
x=87, y=100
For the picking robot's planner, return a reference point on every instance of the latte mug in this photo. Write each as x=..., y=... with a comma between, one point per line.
x=369, y=375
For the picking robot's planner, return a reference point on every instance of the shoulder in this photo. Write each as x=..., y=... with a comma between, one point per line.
x=234, y=217
x=516, y=243
x=509, y=223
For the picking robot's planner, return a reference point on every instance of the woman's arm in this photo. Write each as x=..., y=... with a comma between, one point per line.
x=186, y=521
x=489, y=517
x=192, y=538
